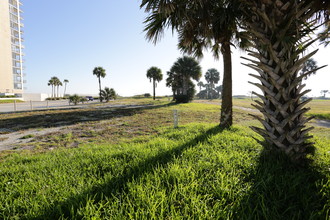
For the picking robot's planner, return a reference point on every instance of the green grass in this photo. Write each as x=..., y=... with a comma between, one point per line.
x=194, y=172
x=131, y=164
x=9, y=101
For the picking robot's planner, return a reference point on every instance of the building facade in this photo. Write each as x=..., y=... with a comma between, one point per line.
x=11, y=55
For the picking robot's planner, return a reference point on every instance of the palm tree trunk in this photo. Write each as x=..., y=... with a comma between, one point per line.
x=64, y=89
x=154, y=85
x=278, y=62
x=100, y=96
x=226, y=117
x=184, y=85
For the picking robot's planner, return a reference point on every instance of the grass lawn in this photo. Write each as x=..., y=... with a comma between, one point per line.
x=9, y=101
x=138, y=167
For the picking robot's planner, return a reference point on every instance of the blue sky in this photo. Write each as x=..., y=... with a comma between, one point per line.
x=68, y=39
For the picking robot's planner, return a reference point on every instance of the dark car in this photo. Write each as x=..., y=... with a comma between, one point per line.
x=89, y=98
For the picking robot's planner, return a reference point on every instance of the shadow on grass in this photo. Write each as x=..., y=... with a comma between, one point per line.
x=118, y=185
x=65, y=117
x=281, y=190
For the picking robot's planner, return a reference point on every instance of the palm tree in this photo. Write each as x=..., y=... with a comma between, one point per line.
x=108, y=94
x=65, y=82
x=183, y=70
x=173, y=82
x=212, y=76
x=99, y=72
x=200, y=84
x=219, y=89
x=155, y=75
x=53, y=82
x=201, y=24
x=281, y=33
x=324, y=92
x=57, y=84
x=309, y=66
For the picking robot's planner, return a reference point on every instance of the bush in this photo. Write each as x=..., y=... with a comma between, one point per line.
x=147, y=95
x=8, y=96
x=75, y=99
x=180, y=98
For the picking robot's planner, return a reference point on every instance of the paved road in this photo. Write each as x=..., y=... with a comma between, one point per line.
x=26, y=106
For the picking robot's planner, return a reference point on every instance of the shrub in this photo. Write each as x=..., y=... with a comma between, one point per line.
x=147, y=95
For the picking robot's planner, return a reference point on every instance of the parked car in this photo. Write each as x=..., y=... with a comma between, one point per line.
x=89, y=98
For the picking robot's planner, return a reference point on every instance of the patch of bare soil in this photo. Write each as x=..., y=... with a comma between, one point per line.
x=17, y=139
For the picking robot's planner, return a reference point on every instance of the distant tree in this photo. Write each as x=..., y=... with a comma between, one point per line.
x=324, y=92
x=219, y=89
x=155, y=75
x=74, y=99
x=180, y=75
x=99, y=72
x=65, y=82
x=108, y=94
x=57, y=84
x=146, y=95
x=173, y=82
x=200, y=84
x=51, y=83
x=309, y=68
x=212, y=76
x=325, y=34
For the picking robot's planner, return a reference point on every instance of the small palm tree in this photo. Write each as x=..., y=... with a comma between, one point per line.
x=108, y=94
x=155, y=75
x=200, y=84
x=182, y=71
x=212, y=76
x=74, y=99
x=99, y=72
x=65, y=82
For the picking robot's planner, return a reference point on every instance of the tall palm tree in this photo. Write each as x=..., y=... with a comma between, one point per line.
x=57, y=84
x=155, y=75
x=65, y=82
x=212, y=76
x=183, y=70
x=201, y=24
x=281, y=34
x=53, y=82
x=99, y=72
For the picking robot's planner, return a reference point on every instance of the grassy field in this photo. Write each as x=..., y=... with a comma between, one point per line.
x=9, y=101
x=131, y=164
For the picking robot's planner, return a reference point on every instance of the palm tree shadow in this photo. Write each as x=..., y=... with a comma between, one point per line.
x=118, y=185
x=55, y=118
x=282, y=190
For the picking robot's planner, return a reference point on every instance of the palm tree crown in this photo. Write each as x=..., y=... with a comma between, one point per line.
x=155, y=75
x=180, y=75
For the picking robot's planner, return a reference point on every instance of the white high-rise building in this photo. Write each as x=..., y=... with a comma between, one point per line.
x=11, y=55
